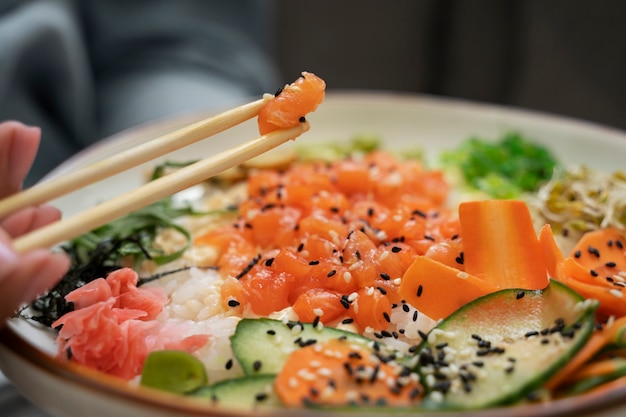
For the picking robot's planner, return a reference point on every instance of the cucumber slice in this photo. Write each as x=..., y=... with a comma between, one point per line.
x=262, y=345
x=248, y=392
x=501, y=347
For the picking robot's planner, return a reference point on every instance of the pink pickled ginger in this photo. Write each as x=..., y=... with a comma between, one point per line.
x=113, y=326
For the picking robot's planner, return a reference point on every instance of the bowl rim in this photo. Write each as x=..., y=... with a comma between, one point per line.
x=603, y=399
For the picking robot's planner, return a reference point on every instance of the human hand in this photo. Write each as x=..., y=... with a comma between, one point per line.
x=23, y=276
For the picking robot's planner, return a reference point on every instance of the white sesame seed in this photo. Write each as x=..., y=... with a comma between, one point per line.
x=617, y=293
x=306, y=375
x=318, y=312
x=436, y=396
x=355, y=265
x=384, y=254
x=352, y=395
x=353, y=296
x=462, y=275
x=347, y=277
x=293, y=382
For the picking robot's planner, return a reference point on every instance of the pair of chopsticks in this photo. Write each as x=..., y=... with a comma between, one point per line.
x=150, y=192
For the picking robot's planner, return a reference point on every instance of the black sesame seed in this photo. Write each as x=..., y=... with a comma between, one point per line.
x=577, y=254
x=269, y=262
x=354, y=355
x=419, y=290
x=593, y=251
x=619, y=244
x=384, y=276
x=610, y=264
x=261, y=396
x=315, y=262
x=396, y=249
x=271, y=332
x=302, y=119
x=233, y=303
x=331, y=273
x=256, y=365
x=229, y=364
x=593, y=273
x=347, y=321
x=386, y=317
x=460, y=259
x=519, y=295
x=419, y=213
x=382, y=290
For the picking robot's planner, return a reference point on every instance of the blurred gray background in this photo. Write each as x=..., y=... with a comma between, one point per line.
x=561, y=56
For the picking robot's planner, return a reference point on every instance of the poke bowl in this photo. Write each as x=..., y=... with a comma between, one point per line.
x=218, y=303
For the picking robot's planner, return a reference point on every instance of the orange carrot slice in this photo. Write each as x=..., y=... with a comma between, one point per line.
x=550, y=249
x=437, y=289
x=292, y=103
x=500, y=245
x=612, y=297
x=603, y=253
x=340, y=373
x=610, y=334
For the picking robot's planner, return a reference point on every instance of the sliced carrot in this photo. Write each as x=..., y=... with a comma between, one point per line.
x=611, y=334
x=437, y=289
x=500, y=245
x=595, y=368
x=292, y=103
x=612, y=298
x=602, y=251
x=340, y=373
x=550, y=249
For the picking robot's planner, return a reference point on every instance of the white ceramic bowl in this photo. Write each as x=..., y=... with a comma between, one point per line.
x=67, y=390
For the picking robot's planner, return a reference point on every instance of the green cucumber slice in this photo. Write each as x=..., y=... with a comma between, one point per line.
x=501, y=347
x=247, y=392
x=262, y=345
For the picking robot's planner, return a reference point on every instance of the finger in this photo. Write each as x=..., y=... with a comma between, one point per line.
x=29, y=219
x=22, y=280
x=18, y=147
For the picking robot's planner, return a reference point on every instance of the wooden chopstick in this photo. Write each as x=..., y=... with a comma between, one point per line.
x=153, y=191
x=148, y=151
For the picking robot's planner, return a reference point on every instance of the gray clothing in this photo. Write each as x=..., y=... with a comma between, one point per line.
x=83, y=70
